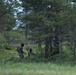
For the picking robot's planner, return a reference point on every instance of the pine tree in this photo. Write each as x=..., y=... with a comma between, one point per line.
x=7, y=20
x=50, y=22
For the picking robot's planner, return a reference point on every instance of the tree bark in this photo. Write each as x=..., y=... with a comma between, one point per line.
x=46, y=48
x=50, y=46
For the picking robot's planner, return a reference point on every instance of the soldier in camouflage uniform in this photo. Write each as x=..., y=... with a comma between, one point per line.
x=20, y=50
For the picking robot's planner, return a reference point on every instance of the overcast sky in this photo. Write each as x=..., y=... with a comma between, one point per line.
x=18, y=10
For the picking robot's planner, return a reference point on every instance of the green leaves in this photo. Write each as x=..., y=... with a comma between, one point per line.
x=50, y=21
x=2, y=39
x=43, y=15
x=7, y=20
x=13, y=36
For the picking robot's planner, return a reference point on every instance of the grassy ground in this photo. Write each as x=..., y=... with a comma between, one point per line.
x=22, y=68
x=10, y=64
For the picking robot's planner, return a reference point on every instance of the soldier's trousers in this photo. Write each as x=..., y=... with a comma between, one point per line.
x=21, y=55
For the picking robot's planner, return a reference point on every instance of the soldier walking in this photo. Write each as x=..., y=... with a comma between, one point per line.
x=20, y=51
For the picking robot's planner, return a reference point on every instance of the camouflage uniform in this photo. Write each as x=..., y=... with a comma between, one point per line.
x=20, y=51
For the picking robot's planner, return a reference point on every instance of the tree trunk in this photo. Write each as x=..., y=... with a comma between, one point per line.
x=56, y=42
x=74, y=49
x=46, y=48
x=56, y=45
x=39, y=44
x=50, y=46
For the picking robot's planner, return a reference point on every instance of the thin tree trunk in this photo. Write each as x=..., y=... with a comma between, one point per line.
x=56, y=42
x=56, y=46
x=50, y=46
x=46, y=48
x=74, y=50
x=26, y=32
x=39, y=44
x=61, y=46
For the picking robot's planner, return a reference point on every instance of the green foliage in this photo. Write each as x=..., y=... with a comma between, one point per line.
x=8, y=46
x=2, y=41
x=7, y=20
x=14, y=37
x=9, y=38
x=50, y=21
x=37, y=69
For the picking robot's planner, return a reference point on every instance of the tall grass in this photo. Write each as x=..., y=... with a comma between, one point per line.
x=37, y=69
x=10, y=64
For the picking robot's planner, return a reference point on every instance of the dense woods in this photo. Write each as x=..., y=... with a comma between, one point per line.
x=49, y=24
x=37, y=37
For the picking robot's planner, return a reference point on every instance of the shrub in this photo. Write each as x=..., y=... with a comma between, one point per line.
x=2, y=41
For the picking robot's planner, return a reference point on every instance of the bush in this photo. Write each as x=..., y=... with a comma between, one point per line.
x=2, y=41
x=14, y=37
x=7, y=47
